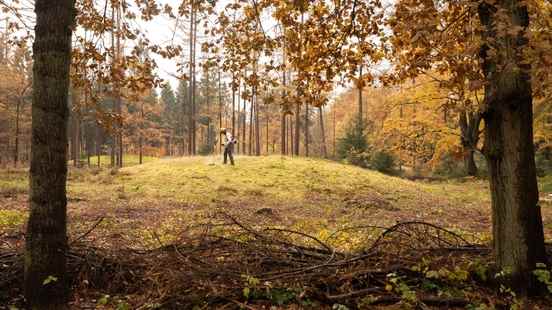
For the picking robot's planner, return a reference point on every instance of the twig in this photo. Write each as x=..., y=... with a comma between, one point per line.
x=87, y=232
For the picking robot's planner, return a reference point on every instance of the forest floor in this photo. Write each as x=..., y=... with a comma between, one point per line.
x=320, y=204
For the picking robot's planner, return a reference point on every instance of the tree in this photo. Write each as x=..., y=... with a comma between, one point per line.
x=518, y=237
x=486, y=45
x=183, y=115
x=324, y=149
x=170, y=106
x=46, y=283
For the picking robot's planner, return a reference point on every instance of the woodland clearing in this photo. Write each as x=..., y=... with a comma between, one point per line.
x=291, y=232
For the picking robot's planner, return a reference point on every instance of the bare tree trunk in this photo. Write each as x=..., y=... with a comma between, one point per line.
x=77, y=139
x=306, y=129
x=194, y=113
x=267, y=124
x=257, y=126
x=518, y=238
x=297, y=129
x=141, y=139
x=283, y=133
x=250, y=138
x=244, y=112
x=16, y=146
x=283, y=140
x=98, y=145
x=46, y=282
x=360, y=88
x=118, y=94
x=323, y=133
x=469, y=129
x=191, y=92
x=291, y=141
x=239, y=121
x=333, y=109
x=87, y=129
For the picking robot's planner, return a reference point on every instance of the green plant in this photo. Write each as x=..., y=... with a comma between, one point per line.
x=544, y=276
x=398, y=284
x=383, y=161
x=354, y=140
x=251, y=284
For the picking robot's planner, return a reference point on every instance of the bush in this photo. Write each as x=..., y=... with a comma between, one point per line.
x=543, y=162
x=449, y=167
x=206, y=149
x=383, y=161
x=358, y=158
x=354, y=143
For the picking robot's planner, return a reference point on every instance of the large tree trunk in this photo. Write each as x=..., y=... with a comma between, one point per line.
x=469, y=162
x=46, y=284
x=518, y=239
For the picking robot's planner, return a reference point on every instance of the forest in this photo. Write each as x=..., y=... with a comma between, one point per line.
x=383, y=154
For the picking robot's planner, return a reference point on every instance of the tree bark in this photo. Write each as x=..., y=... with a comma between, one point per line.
x=250, y=138
x=324, y=150
x=334, y=127
x=291, y=144
x=233, y=109
x=306, y=129
x=45, y=281
x=469, y=129
x=119, y=101
x=244, y=117
x=238, y=132
x=283, y=134
x=191, y=92
x=518, y=238
x=194, y=113
x=16, y=146
x=98, y=144
x=267, y=128
x=360, y=87
x=297, y=129
x=257, y=126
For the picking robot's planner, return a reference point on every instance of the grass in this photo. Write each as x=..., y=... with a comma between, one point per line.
x=312, y=195
x=128, y=160
x=545, y=184
x=11, y=219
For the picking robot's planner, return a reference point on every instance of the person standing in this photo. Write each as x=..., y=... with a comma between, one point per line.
x=229, y=142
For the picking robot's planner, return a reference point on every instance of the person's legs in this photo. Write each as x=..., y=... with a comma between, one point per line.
x=225, y=155
x=230, y=151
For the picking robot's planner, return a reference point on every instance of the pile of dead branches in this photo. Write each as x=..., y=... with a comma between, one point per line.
x=227, y=262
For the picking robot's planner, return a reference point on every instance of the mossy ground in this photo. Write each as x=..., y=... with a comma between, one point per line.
x=150, y=205
x=312, y=195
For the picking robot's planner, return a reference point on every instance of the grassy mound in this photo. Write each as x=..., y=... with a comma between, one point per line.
x=154, y=215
